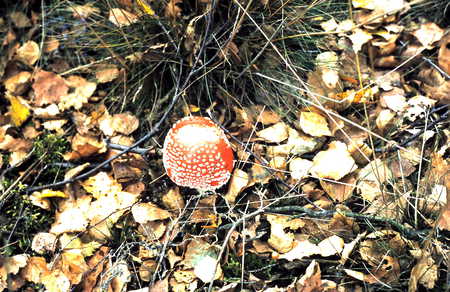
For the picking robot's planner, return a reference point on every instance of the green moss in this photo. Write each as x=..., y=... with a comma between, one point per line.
x=50, y=147
x=258, y=265
x=20, y=220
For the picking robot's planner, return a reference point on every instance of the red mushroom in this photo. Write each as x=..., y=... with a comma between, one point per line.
x=197, y=154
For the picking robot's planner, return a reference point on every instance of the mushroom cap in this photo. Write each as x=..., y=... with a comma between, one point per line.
x=197, y=154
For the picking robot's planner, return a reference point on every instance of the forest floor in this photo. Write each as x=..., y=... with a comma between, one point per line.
x=337, y=113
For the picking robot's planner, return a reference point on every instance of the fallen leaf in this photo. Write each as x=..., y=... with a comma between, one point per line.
x=82, y=90
x=341, y=190
x=359, y=37
x=394, y=99
x=300, y=250
x=120, y=17
x=444, y=54
x=280, y=240
x=84, y=146
x=145, y=212
x=19, y=110
x=385, y=119
x=84, y=11
x=314, y=124
x=172, y=10
x=18, y=83
x=173, y=200
x=125, y=123
x=44, y=242
x=334, y=163
x=72, y=216
x=428, y=33
x=331, y=246
x=274, y=134
x=299, y=168
x=311, y=281
x=107, y=74
x=48, y=88
x=361, y=276
x=238, y=182
x=96, y=267
x=35, y=270
x=425, y=272
x=29, y=53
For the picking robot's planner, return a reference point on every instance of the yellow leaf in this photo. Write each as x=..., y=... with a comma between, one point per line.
x=50, y=194
x=18, y=110
x=145, y=7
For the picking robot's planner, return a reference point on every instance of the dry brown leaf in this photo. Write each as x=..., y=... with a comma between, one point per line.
x=161, y=285
x=331, y=246
x=84, y=11
x=428, y=33
x=280, y=240
x=297, y=144
x=107, y=74
x=11, y=266
x=48, y=112
x=205, y=210
x=152, y=230
x=238, y=182
x=376, y=171
x=334, y=163
x=359, y=37
x=368, y=278
x=96, y=266
x=425, y=271
x=262, y=115
x=147, y=269
x=18, y=83
x=299, y=168
x=314, y=124
x=35, y=270
x=444, y=54
x=84, y=146
x=48, y=88
x=81, y=91
x=258, y=174
x=385, y=119
x=44, y=242
x=28, y=53
x=202, y=257
x=125, y=123
x=274, y=134
x=72, y=216
x=145, y=212
x=311, y=281
x=394, y=100
x=349, y=247
x=341, y=190
x=173, y=200
x=301, y=249
x=120, y=17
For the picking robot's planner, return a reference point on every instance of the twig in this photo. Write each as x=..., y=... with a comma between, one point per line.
x=407, y=232
x=138, y=150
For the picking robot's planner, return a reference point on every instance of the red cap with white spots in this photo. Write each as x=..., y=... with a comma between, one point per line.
x=197, y=154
